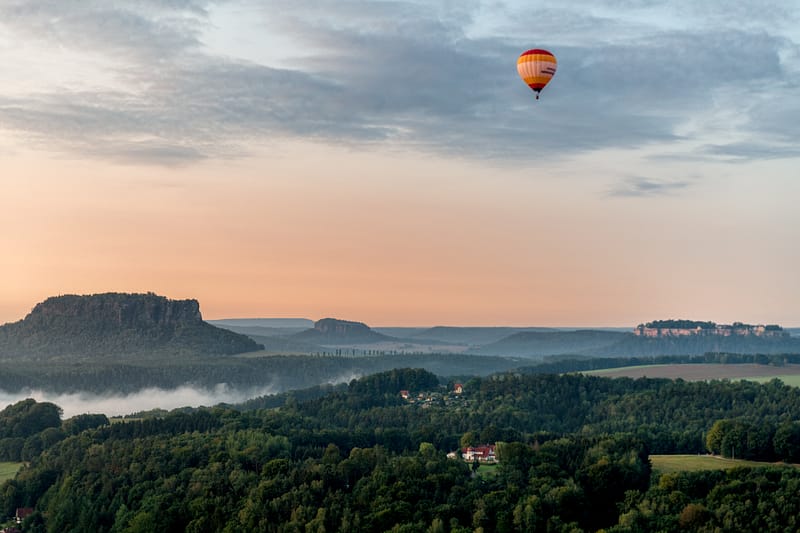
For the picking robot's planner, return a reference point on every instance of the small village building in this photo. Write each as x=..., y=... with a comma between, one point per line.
x=458, y=388
x=22, y=513
x=484, y=453
x=404, y=394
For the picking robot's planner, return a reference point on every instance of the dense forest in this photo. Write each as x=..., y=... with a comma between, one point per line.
x=279, y=372
x=283, y=373
x=573, y=456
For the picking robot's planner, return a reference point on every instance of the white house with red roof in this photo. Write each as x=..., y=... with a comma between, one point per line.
x=484, y=453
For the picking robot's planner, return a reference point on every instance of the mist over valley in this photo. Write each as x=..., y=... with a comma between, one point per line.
x=120, y=353
x=77, y=403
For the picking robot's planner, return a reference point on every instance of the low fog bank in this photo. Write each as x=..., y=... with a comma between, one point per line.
x=143, y=400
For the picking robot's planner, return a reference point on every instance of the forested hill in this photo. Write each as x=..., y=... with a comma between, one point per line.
x=573, y=457
x=332, y=331
x=117, y=324
x=536, y=344
x=632, y=345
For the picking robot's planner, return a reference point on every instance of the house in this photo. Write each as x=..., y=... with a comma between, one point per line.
x=404, y=394
x=484, y=453
x=458, y=388
x=22, y=513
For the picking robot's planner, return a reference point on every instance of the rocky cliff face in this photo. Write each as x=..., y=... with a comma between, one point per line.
x=116, y=310
x=114, y=324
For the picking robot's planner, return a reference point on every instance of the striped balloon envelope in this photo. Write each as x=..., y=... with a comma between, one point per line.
x=536, y=67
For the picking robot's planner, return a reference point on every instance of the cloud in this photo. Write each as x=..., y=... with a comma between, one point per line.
x=406, y=73
x=646, y=187
x=752, y=150
x=124, y=30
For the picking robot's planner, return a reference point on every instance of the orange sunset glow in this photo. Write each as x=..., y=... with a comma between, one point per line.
x=266, y=183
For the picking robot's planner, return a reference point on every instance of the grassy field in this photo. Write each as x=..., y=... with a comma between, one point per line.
x=789, y=374
x=8, y=470
x=691, y=463
x=486, y=470
x=791, y=380
x=667, y=464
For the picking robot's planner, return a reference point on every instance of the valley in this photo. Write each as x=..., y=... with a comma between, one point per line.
x=262, y=425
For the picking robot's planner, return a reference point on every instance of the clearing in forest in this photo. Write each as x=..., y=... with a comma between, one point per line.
x=8, y=470
x=789, y=374
x=667, y=464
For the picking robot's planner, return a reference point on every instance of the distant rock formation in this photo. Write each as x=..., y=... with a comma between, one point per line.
x=672, y=340
x=686, y=328
x=114, y=324
x=341, y=328
x=115, y=310
x=335, y=331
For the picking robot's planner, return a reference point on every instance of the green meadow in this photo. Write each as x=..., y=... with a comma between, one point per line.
x=8, y=470
x=487, y=470
x=789, y=374
x=793, y=380
x=667, y=464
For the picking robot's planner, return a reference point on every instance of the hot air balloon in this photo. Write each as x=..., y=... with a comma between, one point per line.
x=536, y=67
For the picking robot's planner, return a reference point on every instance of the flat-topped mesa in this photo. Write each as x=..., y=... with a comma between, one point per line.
x=116, y=310
x=336, y=327
x=686, y=328
x=117, y=324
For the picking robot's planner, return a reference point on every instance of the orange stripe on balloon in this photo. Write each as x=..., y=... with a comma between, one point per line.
x=536, y=57
x=537, y=79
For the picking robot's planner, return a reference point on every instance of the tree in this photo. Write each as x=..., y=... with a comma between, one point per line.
x=78, y=423
x=467, y=439
x=787, y=442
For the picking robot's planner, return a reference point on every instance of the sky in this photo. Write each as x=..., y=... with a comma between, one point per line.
x=381, y=161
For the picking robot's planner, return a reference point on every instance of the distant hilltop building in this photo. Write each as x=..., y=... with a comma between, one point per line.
x=686, y=328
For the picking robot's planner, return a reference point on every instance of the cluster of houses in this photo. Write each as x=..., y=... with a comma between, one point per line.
x=483, y=453
x=426, y=399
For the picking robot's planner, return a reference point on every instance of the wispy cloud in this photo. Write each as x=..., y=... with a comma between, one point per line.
x=753, y=150
x=404, y=72
x=640, y=186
